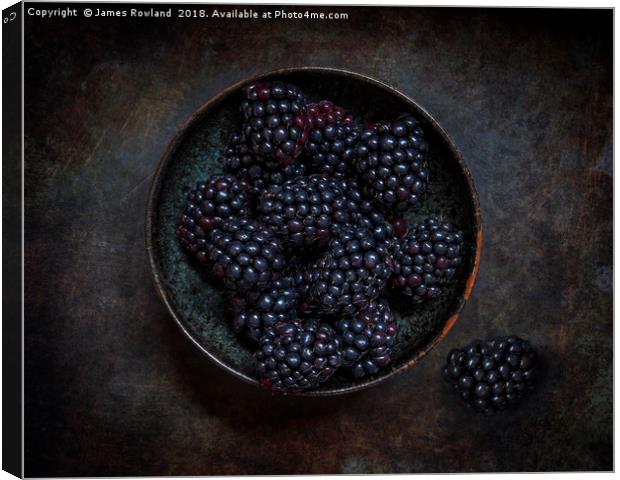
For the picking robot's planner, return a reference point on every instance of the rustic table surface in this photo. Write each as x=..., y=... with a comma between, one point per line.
x=113, y=387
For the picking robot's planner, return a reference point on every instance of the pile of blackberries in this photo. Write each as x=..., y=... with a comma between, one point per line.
x=305, y=229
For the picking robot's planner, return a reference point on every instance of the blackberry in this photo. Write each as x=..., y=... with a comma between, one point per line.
x=276, y=123
x=391, y=158
x=426, y=259
x=332, y=139
x=303, y=210
x=258, y=171
x=292, y=357
x=245, y=254
x=494, y=375
x=254, y=314
x=350, y=274
x=212, y=202
x=361, y=211
x=367, y=339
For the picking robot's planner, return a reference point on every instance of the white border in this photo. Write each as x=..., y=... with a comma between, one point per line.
x=480, y=3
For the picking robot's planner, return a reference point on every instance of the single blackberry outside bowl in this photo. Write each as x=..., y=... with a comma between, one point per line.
x=199, y=304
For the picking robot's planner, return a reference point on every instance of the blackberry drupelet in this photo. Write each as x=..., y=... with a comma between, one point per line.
x=426, y=259
x=400, y=226
x=332, y=139
x=212, y=202
x=245, y=254
x=255, y=313
x=494, y=375
x=276, y=124
x=367, y=339
x=391, y=158
x=304, y=210
x=292, y=357
x=258, y=171
x=299, y=277
x=350, y=274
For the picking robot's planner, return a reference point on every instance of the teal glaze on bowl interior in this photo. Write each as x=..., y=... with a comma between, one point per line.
x=196, y=301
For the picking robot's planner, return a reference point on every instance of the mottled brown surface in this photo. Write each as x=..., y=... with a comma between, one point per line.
x=112, y=387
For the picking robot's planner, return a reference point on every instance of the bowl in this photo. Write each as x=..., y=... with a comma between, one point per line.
x=199, y=306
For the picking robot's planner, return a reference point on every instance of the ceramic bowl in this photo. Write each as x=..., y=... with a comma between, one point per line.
x=198, y=304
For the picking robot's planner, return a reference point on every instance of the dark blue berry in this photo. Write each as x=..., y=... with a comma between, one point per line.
x=276, y=129
x=490, y=376
x=421, y=271
x=392, y=162
x=292, y=357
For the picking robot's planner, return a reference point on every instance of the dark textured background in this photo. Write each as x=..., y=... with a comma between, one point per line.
x=113, y=388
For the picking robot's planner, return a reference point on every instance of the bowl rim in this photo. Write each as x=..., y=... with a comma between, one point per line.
x=187, y=126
